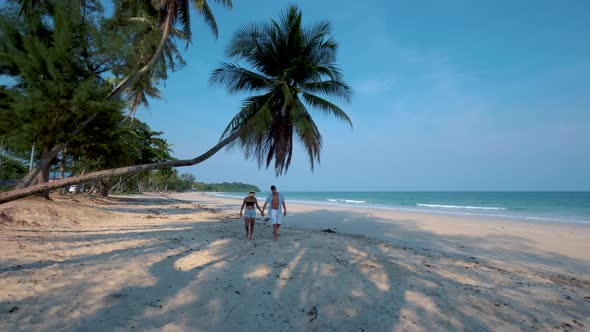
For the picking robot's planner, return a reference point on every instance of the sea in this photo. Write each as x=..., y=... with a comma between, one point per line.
x=569, y=207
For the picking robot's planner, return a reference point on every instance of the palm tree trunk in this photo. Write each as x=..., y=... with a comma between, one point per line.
x=41, y=165
x=127, y=81
x=104, y=187
x=28, y=191
x=62, y=168
x=62, y=165
x=46, y=159
x=43, y=175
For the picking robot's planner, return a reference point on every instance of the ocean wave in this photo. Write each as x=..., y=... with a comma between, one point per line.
x=428, y=208
x=221, y=194
x=461, y=207
x=346, y=201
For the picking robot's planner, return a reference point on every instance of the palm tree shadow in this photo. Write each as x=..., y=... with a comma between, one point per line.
x=333, y=282
x=205, y=276
x=505, y=248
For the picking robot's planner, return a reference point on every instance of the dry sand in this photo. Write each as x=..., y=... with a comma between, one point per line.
x=180, y=263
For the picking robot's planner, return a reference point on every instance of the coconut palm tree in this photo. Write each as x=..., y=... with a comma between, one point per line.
x=292, y=69
x=167, y=15
x=291, y=66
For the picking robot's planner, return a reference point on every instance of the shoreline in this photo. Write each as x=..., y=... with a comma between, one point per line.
x=515, y=218
x=179, y=262
x=427, y=230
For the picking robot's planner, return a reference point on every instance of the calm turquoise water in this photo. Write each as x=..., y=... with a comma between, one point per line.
x=541, y=206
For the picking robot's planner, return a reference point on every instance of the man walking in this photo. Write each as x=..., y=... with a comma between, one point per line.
x=275, y=200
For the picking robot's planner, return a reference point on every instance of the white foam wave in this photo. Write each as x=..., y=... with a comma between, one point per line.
x=221, y=194
x=346, y=201
x=461, y=207
x=334, y=202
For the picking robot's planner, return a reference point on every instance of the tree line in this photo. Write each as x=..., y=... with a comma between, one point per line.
x=169, y=180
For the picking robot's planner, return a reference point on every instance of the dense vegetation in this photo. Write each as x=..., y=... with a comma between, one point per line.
x=225, y=187
x=78, y=76
x=169, y=180
x=10, y=169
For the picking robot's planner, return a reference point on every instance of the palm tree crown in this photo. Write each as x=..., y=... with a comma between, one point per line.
x=291, y=65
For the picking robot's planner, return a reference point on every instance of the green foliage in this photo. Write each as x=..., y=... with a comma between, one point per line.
x=55, y=57
x=142, y=37
x=141, y=23
x=292, y=68
x=169, y=180
x=10, y=169
x=62, y=55
x=117, y=144
x=166, y=180
x=225, y=187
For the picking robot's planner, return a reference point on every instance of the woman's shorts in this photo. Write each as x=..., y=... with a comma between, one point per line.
x=250, y=213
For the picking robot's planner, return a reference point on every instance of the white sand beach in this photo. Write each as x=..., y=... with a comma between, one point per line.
x=180, y=262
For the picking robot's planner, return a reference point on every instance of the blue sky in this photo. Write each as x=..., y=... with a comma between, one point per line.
x=449, y=95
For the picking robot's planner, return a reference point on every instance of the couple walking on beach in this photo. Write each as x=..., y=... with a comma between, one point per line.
x=275, y=199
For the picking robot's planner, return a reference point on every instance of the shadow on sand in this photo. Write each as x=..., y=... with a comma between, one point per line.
x=206, y=277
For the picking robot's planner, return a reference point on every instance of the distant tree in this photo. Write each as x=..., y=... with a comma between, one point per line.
x=225, y=187
x=120, y=144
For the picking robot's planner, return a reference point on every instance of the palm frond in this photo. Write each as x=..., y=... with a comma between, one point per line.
x=287, y=62
x=238, y=79
x=326, y=106
x=332, y=88
x=318, y=32
x=183, y=13
x=308, y=133
x=245, y=43
x=205, y=11
x=255, y=113
x=226, y=3
x=28, y=6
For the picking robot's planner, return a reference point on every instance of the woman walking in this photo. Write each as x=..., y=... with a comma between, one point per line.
x=250, y=202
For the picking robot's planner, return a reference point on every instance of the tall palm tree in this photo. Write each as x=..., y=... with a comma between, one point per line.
x=169, y=13
x=290, y=65
x=144, y=34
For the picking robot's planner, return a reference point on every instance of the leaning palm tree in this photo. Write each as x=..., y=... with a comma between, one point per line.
x=290, y=65
x=168, y=15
